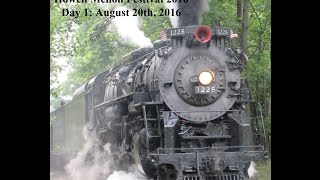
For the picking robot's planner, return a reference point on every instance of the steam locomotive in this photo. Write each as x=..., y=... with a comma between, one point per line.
x=178, y=110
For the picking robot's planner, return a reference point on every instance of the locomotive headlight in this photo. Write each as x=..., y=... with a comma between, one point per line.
x=206, y=77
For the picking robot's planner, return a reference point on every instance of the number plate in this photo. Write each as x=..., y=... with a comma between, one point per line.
x=223, y=32
x=204, y=89
x=176, y=32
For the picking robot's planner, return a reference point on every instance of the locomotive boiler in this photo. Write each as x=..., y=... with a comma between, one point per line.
x=178, y=110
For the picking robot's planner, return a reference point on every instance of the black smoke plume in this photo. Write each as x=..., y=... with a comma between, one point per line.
x=191, y=12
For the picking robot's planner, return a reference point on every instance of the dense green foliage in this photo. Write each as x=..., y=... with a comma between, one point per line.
x=222, y=13
x=90, y=46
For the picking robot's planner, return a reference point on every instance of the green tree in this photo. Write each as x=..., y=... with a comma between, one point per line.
x=222, y=13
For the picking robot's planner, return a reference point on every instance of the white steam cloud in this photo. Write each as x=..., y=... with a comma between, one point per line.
x=94, y=162
x=128, y=29
x=99, y=166
x=173, y=19
x=252, y=169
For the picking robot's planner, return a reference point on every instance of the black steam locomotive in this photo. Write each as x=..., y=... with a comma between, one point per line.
x=179, y=110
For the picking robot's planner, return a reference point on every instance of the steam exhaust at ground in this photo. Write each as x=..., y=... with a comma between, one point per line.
x=94, y=162
x=252, y=170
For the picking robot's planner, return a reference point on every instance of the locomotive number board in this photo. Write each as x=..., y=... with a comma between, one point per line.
x=222, y=31
x=204, y=89
x=174, y=32
x=178, y=31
